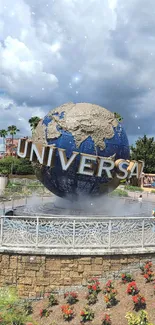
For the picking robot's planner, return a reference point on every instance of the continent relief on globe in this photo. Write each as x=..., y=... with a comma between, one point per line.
x=85, y=128
x=81, y=120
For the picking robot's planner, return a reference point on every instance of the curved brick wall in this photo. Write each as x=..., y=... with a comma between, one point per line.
x=34, y=275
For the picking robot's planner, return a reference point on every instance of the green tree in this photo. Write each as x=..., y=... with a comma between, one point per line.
x=12, y=129
x=118, y=117
x=33, y=121
x=3, y=134
x=144, y=149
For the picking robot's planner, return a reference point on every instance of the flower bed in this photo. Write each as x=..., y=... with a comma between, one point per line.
x=92, y=306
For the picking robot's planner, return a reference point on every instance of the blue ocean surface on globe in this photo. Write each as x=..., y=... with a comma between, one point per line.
x=70, y=183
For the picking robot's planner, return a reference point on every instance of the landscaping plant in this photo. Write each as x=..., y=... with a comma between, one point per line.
x=108, y=287
x=12, y=308
x=149, y=276
x=44, y=313
x=126, y=277
x=87, y=314
x=141, y=319
x=146, y=267
x=110, y=298
x=92, y=298
x=139, y=302
x=72, y=297
x=28, y=307
x=94, y=285
x=132, y=288
x=106, y=320
x=52, y=300
x=67, y=311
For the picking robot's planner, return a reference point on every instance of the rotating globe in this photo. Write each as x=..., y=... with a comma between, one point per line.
x=87, y=129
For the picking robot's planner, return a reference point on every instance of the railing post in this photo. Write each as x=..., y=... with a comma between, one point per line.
x=37, y=232
x=109, y=233
x=12, y=203
x=143, y=233
x=1, y=239
x=3, y=208
x=74, y=234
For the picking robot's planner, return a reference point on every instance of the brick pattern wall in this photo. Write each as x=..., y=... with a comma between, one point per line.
x=33, y=275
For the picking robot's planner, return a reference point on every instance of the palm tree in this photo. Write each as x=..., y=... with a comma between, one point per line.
x=118, y=117
x=33, y=121
x=3, y=134
x=12, y=129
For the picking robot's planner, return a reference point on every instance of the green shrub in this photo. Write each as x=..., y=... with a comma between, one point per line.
x=12, y=308
x=16, y=166
x=4, y=171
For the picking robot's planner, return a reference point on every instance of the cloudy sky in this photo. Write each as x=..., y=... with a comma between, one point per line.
x=97, y=51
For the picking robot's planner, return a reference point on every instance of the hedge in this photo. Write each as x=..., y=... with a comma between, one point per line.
x=16, y=166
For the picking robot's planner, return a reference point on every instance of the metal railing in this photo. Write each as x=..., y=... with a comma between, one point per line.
x=93, y=232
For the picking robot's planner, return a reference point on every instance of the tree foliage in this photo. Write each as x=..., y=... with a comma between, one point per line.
x=144, y=149
x=33, y=121
x=12, y=129
x=118, y=117
x=3, y=133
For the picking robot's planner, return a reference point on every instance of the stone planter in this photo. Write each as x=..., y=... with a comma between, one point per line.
x=3, y=183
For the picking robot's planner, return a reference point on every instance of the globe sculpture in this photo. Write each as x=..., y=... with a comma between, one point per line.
x=84, y=128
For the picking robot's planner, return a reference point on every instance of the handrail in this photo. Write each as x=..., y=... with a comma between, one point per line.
x=77, y=217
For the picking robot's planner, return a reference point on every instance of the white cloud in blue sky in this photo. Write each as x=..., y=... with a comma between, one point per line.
x=74, y=50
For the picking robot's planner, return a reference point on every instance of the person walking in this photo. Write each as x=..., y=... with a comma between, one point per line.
x=140, y=200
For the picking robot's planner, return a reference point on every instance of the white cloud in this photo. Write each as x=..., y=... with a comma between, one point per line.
x=22, y=74
x=43, y=48
x=17, y=115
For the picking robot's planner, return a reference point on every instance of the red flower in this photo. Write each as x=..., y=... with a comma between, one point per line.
x=109, y=283
x=41, y=311
x=139, y=300
x=106, y=320
x=82, y=313
x=94, y=287
x=135, y=299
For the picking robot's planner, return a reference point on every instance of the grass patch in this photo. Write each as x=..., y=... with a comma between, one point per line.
x=119, y=192
x=133, y=188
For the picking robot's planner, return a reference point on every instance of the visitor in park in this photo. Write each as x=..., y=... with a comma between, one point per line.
x=140, y=199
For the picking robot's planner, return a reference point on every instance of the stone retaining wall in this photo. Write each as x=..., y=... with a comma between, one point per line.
x=34, y=275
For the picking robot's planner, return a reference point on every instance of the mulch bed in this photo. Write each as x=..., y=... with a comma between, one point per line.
x=117, y=312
